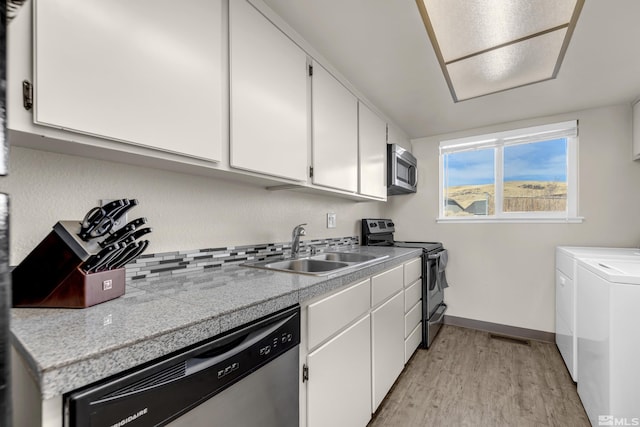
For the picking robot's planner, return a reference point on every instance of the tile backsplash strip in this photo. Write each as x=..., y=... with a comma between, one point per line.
x=161, y=264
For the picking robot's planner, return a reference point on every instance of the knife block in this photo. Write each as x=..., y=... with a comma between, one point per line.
x=50, y=276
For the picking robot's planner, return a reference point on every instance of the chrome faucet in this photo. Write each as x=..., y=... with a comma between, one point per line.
x=298, y=231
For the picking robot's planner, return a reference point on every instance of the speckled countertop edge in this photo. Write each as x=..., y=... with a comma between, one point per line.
x=196, y=318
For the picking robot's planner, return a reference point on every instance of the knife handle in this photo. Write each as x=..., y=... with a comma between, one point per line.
x=115, y=259
x=117, y=213
x=118, y=235
x=138, y=222
x=131, y=256
x=96, y=260
x=141, y=232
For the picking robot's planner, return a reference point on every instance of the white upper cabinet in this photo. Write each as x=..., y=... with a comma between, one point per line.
x=268, y=105
x=372, y=138
x=396, y=136
x=147, y=72
x=335, y=132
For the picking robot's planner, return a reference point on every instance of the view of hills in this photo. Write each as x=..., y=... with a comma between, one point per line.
x=519, y=196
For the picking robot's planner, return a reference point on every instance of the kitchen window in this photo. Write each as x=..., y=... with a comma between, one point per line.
x=523, y=175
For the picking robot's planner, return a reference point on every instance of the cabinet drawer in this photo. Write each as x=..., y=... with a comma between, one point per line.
x=330, y=314
x=412, y=342
x=412, y=271
x=386, y=284
x=565, y=263
x=412, y=295
x=412, y=318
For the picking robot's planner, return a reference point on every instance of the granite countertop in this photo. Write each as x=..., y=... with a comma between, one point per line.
x=66, y=349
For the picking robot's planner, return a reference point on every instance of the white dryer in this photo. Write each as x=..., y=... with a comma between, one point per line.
x=566, y=289
x=608, y=325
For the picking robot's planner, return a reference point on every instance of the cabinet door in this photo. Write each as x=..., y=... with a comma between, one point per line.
x=147, y=72
x=339, y=387
x=335, y=132
x=372, y=140
x=387, y=332
x=268, y=74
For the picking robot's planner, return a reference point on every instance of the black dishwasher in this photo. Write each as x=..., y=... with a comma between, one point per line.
x=246, y=377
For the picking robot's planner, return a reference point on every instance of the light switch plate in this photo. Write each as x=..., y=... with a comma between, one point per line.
x=331, y=220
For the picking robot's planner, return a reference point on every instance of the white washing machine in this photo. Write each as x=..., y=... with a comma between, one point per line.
x=566, y=286
x=608, y=325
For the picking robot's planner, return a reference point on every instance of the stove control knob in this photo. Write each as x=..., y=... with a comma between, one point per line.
x=373, y=225
x=390, y=224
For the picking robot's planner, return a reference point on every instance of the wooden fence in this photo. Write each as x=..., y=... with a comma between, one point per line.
x=535, y=203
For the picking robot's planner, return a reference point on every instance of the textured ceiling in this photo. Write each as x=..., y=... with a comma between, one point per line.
x=382, y=48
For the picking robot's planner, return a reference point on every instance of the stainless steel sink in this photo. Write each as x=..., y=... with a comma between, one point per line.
x=345, y=257
x=305, y=265
x=317, y=265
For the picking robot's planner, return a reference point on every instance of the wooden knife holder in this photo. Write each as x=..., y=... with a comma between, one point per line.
x=50, y=276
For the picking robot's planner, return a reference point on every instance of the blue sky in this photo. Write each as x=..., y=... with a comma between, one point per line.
x=540, y=161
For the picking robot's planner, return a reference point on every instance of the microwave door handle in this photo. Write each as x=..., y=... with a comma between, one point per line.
x=415, y=175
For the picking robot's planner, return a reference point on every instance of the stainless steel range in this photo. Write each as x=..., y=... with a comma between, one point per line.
x=379, y=232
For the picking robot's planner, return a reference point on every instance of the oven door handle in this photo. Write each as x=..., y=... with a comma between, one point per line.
x=439, y=313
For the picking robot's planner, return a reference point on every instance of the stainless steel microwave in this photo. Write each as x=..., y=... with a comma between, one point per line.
x=402, y=171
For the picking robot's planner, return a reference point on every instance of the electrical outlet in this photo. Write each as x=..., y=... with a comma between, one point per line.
x=331, y=220
x=121, y=222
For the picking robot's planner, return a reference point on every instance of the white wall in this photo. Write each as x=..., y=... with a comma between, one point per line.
x=185, y=211
x=504, y=273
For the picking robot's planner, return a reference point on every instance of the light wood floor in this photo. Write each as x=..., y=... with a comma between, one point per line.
x=469, y=379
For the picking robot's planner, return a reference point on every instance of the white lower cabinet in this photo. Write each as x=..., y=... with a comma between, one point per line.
x=339, y=388
x=354, y=347
x=387, y=345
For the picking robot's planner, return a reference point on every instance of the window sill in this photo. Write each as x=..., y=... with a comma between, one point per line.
x=519, y=220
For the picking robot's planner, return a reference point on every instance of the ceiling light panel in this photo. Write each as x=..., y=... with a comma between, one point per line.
x=489, y=40
x=529, y=61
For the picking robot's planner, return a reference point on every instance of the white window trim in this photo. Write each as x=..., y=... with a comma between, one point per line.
x=568, y=130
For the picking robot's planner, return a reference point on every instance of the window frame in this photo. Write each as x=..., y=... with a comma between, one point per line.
x=497, y=141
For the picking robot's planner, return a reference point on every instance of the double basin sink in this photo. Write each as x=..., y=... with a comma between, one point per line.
x=318, y=265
